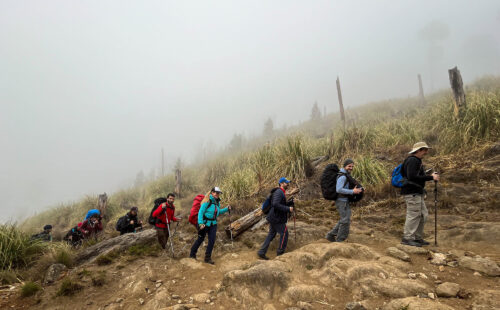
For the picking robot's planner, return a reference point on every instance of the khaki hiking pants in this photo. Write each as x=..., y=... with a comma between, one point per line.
x=416, y=216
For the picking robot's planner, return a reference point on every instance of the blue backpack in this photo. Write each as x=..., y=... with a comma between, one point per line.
x=397, y=179
x=92, y=212
x=266, y=205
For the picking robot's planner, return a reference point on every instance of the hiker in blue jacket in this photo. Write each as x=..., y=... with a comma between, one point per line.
x=277, y=218
x=341, y=231
x=207, y=223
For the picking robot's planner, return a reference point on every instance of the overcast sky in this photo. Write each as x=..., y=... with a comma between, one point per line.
x=90, y=91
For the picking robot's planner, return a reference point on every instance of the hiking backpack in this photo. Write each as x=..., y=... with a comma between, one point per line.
x=157, y=203
x=92, y=212
x=267, y=204
x=328, y=182
x=195, y=209
x=121, y=223
x=397, y=179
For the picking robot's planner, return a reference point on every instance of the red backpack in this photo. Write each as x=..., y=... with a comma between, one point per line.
x=193, y=216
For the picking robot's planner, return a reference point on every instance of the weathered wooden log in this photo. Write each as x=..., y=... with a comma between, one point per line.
x=457, y=86
x=244, y=223
x=119, y=243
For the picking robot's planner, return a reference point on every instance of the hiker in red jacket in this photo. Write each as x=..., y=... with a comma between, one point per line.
x=164, y=211
x=91, y=226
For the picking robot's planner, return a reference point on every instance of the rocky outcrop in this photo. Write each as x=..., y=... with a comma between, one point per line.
x=53, y=273
x=447, y=289
x=478, y=263
x=415, y=303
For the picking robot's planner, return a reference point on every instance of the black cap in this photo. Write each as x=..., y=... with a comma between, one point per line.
x=134, y=209
x=47, y=227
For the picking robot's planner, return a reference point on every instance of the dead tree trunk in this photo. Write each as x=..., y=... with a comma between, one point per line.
x=457, y=86
x=341, y=104
x=421, y=91
x=162, y=163
x=244, y=223
x=178, y=182
x=102, y=204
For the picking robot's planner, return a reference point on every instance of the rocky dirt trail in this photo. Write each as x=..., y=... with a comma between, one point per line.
x=370, y=271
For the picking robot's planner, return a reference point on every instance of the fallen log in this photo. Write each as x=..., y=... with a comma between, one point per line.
x=244, y=223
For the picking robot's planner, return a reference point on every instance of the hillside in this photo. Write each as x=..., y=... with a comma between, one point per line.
x=372, y=268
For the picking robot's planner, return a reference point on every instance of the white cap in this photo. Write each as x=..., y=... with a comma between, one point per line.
x=216, y=189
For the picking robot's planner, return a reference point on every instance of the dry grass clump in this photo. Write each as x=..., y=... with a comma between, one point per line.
x=17, y=250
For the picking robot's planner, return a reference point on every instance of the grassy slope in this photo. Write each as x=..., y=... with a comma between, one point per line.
x=393, y=124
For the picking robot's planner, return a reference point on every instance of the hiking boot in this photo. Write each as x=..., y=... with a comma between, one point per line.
x=262, y=256
x=411, y=242
x=193, y=257
x=331, y=238
x=422, y=242
x=209, y=261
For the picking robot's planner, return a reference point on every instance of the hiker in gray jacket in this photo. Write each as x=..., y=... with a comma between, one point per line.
x=341, y=231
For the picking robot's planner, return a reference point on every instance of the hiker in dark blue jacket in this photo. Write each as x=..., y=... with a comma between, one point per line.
x=341, y=231
x=277, y=218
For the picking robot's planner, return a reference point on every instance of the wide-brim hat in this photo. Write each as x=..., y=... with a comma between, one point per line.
x=419, y=145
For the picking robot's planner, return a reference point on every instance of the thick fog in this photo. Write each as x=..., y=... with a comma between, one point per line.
x=90, y=91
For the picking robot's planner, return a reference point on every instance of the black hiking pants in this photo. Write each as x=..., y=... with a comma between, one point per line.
x=211, y=231
x=274, y=229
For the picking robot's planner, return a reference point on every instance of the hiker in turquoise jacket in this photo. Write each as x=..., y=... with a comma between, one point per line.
x=207, y=223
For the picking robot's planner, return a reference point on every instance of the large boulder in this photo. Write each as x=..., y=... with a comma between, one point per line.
x=397, y=253
x=478, y=263
x=53, y=273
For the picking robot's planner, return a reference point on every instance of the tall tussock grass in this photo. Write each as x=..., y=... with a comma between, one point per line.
x=17, y=250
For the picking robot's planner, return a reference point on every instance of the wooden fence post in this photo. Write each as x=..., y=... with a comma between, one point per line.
x=457, y=86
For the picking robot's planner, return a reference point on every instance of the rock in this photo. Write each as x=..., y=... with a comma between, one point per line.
x=382, y=275
x=453, y=263
x=439, y=259
x=119, y=300
x=141, y=301
x=304, y=305
x=431, y=296
x=354, y=306
x=158, y=284
x=53, y=273
x=175, y=297
x=441, y=268
x=395, y=252
x=201, y=298
x=477, y=274
x=447, y=289
x=422, y=275
x=412, y=249
x=478, y=263
x=412, y=275
x=415, y=303
x=486, y=300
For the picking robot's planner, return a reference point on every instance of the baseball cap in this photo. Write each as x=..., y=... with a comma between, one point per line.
x=216, y=189
x=284, y=180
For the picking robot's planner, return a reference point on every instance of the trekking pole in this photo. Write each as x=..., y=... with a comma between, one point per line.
x=230, y=228
x=294, y=229
x=170, y=237
x=435, y=211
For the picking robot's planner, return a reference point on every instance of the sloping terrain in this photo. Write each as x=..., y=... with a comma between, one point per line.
x=372, y=268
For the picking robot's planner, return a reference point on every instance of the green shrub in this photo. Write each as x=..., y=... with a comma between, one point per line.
x=63, y=254
x=68, y=288
x=106, y=259
x=144, y=250
x=17, y=250
x=8, y=277
x=99, y=279
x=29, y=289
x=369, y=171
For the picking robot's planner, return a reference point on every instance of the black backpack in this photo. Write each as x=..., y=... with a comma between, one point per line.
x=121, y=223
x=157, y=203
x=328, y=182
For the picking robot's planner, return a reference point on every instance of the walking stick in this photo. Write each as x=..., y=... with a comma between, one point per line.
x=170, y=237
x=435, y=211
x=230, y=228
x=294, y=230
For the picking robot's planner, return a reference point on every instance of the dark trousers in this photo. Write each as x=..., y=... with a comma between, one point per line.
x=212, y=233
x=162, y=234
x=273, y=230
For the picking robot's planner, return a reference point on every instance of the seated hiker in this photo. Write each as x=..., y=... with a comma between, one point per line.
x=164, y=215
x=91, y=226
x=207, y=223
x=74, y=237
x=45, y=235
x=129, y=222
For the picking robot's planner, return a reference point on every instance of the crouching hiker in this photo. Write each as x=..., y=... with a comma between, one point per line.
x=45, y=235
x=74, y=237
x=164, y=216
x=207, y=223
x=129, y=222
x=340, y=232
x=414, y=177
x=91, y=227
x=277, y=218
